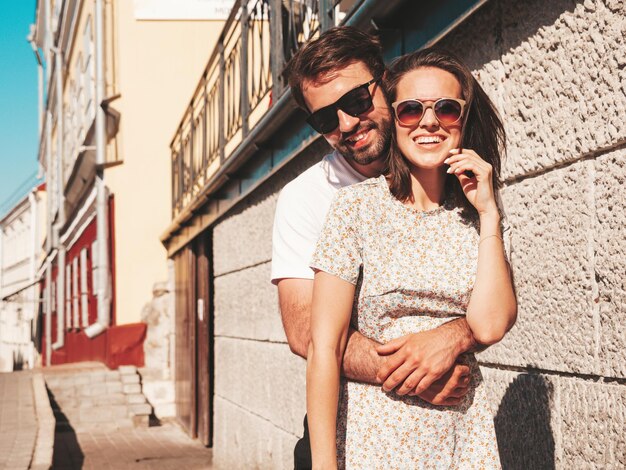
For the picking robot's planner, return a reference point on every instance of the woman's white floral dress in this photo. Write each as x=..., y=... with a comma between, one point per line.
x=418, y=270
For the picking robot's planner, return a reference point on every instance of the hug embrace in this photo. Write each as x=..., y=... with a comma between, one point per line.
x=390, y=259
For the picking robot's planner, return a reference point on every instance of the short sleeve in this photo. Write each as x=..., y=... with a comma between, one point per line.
x=294, y=235
x=338, y=250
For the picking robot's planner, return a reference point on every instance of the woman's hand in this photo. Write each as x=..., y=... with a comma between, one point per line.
x=478, y=188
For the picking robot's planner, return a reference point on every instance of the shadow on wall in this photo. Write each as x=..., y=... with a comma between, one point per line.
x=523, y=430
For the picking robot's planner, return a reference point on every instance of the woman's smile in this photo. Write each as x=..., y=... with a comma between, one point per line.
x=428, y=143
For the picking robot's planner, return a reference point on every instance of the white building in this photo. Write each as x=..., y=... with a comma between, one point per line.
x=22, y=232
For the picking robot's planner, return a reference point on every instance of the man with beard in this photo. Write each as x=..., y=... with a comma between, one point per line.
x=336, y=79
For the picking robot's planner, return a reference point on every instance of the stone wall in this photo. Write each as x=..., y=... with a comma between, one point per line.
x=558, y=380
x=259, y=399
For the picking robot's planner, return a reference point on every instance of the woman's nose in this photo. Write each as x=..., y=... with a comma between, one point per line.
x=429, y=119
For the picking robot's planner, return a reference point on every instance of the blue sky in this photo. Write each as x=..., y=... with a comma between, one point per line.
x=18, y=98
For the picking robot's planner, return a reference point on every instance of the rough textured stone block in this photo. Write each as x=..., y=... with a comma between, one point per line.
x=265, y=379
x=244, y=238
x=554, y=71
x=610, y=263
x=244, y=440
x=551, y=226
x=593, y=424
x=525, y=418
x=246, y=305
x=562, y=84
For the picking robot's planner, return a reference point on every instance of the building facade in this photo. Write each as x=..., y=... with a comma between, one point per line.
x=114, y=81
x=556, y=73
x=22, y=233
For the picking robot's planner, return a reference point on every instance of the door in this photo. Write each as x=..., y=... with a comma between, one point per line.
x=184, y=267
x=204, y=336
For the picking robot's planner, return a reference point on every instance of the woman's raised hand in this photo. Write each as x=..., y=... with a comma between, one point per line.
x=478, y=188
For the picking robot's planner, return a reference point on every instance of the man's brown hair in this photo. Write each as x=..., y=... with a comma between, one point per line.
x=335, y=49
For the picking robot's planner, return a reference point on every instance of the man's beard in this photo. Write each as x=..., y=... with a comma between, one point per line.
x=376, y=150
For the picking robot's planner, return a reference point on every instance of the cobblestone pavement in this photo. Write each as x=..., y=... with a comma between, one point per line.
x=159, y=447
x=18, y=420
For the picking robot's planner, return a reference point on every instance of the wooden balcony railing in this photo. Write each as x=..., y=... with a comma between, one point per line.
x=242, y=79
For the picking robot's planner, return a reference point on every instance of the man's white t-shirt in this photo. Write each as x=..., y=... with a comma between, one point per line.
x=301, y=212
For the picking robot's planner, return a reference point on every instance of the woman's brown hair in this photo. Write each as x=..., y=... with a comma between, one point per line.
x=482, y=129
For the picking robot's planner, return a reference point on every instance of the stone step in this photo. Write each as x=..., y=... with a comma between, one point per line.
x=127, y=370
x=135, y=398
x=130, y=379
x=82, y=378
x=129, y=389
x=139, y=409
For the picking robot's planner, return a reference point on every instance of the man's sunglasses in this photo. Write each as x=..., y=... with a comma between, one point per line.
x=410, y=112
x=355, y=102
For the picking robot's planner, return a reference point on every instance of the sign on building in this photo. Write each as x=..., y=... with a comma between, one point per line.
x=182, y=9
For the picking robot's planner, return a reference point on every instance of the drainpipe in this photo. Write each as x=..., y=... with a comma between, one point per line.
x=102, y=209
x=48, y=315
x=31, y=40
x=49, y=190
x=34, y=231
x=58, y=66
x=48, y=299
x=1, y=258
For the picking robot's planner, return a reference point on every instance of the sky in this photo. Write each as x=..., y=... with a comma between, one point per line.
x=18, y=99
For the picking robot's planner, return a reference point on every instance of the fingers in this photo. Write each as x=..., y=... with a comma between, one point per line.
x=397, y=377
x=410, y=383
x=468, y=160
x=449, y=389
x=391, y=364
x=392, y=346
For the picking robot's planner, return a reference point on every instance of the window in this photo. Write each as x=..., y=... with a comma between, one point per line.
x=94, y=267
x=75, y=292
x=84, y=293
x=68, y=295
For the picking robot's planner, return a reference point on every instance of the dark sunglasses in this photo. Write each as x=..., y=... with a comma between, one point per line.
x=410, y=112
x=354, y=103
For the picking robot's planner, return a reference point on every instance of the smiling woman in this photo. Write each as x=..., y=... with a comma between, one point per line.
x=424, y=242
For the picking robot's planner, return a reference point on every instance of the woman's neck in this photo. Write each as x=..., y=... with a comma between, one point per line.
x=428, y=187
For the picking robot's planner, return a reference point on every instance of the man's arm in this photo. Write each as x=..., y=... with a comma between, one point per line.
x=361, y=362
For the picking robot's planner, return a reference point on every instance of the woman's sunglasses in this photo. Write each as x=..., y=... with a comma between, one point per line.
x=355, y=102
x=410, y=112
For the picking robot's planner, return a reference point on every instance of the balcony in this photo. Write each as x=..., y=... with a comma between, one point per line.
x=241, y=82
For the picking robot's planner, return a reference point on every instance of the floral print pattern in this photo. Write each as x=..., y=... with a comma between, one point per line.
x=415, y=271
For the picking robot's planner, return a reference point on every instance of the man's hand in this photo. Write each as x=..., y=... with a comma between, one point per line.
x=450, y=388
x=415, y=361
